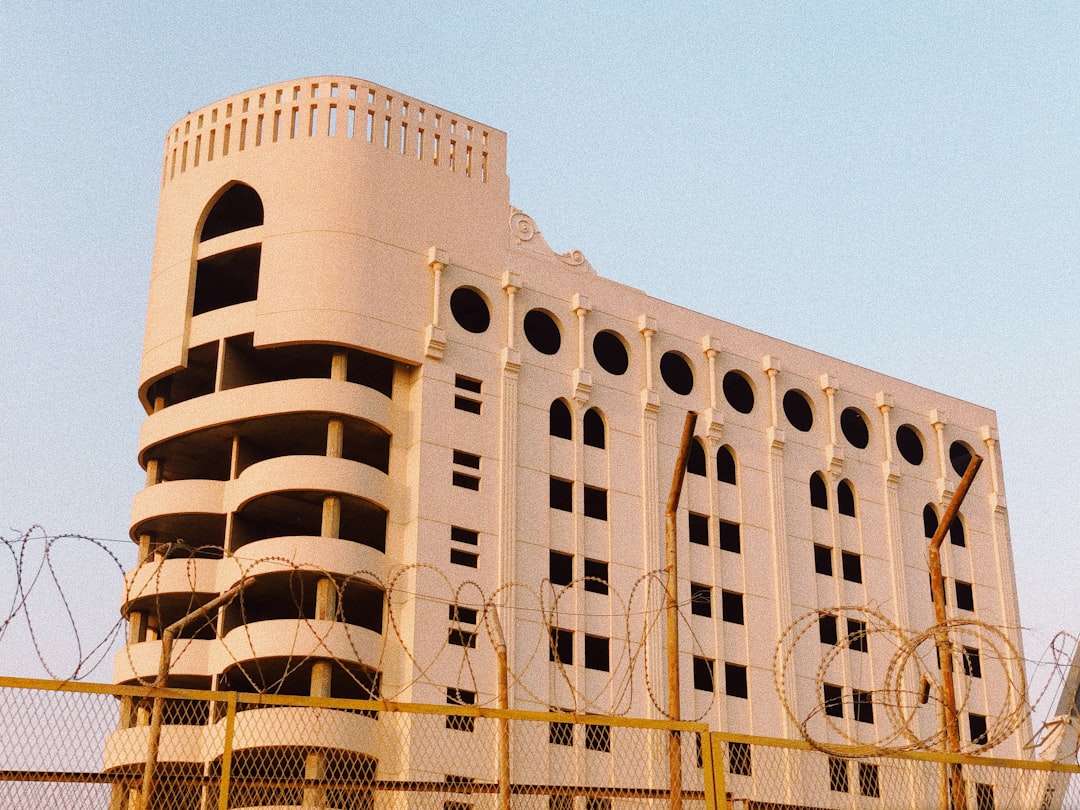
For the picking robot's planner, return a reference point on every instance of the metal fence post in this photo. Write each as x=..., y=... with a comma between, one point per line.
x=226, y=753
x=712, y=765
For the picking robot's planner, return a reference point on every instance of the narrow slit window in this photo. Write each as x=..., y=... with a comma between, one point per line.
x=465, y=558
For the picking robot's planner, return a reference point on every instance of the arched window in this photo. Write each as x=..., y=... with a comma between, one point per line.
x=726, y=472
x=929, y=520
x=845, y=498
x=695, y=464
x=560, y=422
x=819, y=492
x=956, y=532
x=238, y=208
x=594, y=429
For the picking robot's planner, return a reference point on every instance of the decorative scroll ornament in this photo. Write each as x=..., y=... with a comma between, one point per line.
x=525, y=234
x=574, y=258
x=522, y=225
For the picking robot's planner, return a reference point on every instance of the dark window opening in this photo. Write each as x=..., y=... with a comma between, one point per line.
x=226, y=279
x=823, y=560
x=735, y=680
x=695, y=461
x=561, y=494
x=676, y=373
x=610, y=352
x=856, y=636
x=977, y=727
x=797, y=409
x=299, y=512
x=699, y=528
x=542, y=332
x=562, y=646
x=560, y=420
x=470, y=310
x=460, y=535
x=370, y=370
x=239, y=208
x=466, y=558
x=738, y=392
x=731, y=605
x=862, y=705
x=596, y=503
x=596, y=576
x=956, y=532
x=463, y=615
x=560, y=568
x=738, y=759
x=959, y=456
x=726, y=472
x=597, y=654
x=845, y=498
x=700, y=599
x=833, y=697
x=461, y=638
x=469, y=384
x=598, y=738
x=819, y=492
x=838, y=775
x=730, y=537
x=984, y=796
x=972, y=662
x=851, y=565
x=467, y=459
x=460, y=697
x=827, y=632
x=965, y=596
x=560, y=733
x=703, y=674
x=929, y=521
x=869, y=785
x=853, y=426
x=466, y=481
x=910, y=445
x=593, y=429
x=466, y=403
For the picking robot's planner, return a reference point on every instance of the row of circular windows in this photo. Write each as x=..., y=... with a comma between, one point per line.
x=472, y=314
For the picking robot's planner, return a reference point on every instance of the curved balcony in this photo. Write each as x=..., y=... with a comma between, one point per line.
x=261, y=400
x=220, y=323
x=161, y=501
x=304, y=552
x=180, y=577
x=296, y=638
x=127, y=747
x=139, y=662
x=307, y=473
x=303, y=727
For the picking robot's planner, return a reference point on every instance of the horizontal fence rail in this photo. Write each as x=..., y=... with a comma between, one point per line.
x=73, y=745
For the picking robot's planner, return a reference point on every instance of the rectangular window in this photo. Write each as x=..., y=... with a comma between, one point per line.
x=838, y=775
x=460, y=697
x=560, y=568
x=856, y=635
x=730, y=539
x=984, y=796
x=461, y=638
x=460, y=535
x=449, y=804
x=596, y=653
x=834, y=700
x=827, y=629
x=466, y=481
x=862, y=706
x=560, y=733
x=868, y=780
x=972, y=662
x=466, y=558
x=699, y=529
x=562, y=646
x=596, y=576
x=823, y=560
x=965, y=596
x=561, y=494
x=852, y=566
x=738, y=759
x=598, y=738
x=464, y=459
x=700, y=599
x=596, y=802
x=735, y=680
x=470, y=384
x=596, y=503
x=703, y=674
x=731, y=604
x=462, y=614
x=977, y=727
x=466, y=403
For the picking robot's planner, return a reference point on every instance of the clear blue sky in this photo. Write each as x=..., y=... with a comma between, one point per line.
x=893, y=184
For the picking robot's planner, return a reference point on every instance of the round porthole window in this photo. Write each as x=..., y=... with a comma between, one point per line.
x=798, y=411
x=738, y=392
x=470, y=310
x=610, y=353
x=542, y=332
x=853, y=426
x=959, y=456
x=910, y=444
x=676, y=372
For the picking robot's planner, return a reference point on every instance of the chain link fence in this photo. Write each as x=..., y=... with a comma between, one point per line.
x=70, y=746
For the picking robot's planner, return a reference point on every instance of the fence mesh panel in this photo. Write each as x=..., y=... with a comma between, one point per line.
x=73, y=746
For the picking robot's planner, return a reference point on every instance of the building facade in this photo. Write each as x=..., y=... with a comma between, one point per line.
x=378, y=397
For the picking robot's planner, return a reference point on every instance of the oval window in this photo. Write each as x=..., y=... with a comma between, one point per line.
x=798, y=411
x=910, y=444
x=677, y=374
x=738, y=392
x=542, y=332
x=470, y=310
x=854, y=427
x=610, y=353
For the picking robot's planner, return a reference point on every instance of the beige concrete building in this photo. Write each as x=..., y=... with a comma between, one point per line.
x=375, y=390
